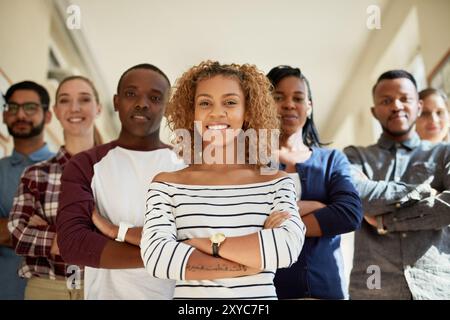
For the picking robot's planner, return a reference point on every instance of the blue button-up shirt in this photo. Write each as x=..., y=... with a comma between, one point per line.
x=413, y=259
x=11, y=168
x=319, y=271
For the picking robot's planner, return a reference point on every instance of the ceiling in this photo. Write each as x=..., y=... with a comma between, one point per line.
x=324, y=38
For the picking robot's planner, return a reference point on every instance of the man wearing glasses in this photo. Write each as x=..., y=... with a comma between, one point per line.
x=25, y=114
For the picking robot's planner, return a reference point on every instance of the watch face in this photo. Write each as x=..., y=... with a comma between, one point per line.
x=217, y=238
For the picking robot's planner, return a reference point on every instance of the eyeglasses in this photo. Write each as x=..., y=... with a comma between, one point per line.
x=30, y=108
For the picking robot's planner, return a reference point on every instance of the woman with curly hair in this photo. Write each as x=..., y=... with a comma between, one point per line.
x=221, y=228
x=329, y=204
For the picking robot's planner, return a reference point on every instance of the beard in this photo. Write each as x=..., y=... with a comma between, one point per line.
x=35, y=130
x=399, y=133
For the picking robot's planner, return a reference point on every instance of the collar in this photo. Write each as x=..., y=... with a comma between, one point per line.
x=386, y=143
x=39, y=155
x=63, y=156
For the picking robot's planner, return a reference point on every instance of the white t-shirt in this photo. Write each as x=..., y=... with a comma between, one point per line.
x=116, y=181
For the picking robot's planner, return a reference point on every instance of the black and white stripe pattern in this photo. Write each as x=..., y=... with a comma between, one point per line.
x=176, y=212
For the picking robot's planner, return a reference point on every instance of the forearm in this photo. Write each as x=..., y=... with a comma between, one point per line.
x=244, y=250
x=344, y=214
x=267, y=249
x=380, y=197
x=429, y=214
x=30, y=239
x=202, y=266
x=312, y=226
x=120, y=255
x=78, y=241
x=5, y=236
x=133, y=236
x=34, y=241
x=308, y=206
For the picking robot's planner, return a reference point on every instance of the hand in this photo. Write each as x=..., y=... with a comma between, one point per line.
x=433, y=192
x=276, y=219
x=371, y=220
x=104, y=226
x=307, y=206
x=54, y=250
x=37, y=221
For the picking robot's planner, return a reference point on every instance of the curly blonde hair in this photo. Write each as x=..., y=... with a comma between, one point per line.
x=260, y=109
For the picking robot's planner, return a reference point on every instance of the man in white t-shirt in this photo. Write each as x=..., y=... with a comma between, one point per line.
x=113, y=179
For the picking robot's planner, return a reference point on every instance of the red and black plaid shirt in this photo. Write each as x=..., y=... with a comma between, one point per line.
x=38, y=194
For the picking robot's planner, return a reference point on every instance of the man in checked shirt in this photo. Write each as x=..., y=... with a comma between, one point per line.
x=402, y=250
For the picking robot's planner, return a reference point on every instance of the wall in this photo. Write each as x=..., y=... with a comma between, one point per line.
x=28, y=28
x=24, y=35
x=434, y=26
x=408, y=28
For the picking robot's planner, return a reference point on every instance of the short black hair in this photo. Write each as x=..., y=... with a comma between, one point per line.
x=310, y=134
x=394, y=74
x=30, y=85
x=147, y=66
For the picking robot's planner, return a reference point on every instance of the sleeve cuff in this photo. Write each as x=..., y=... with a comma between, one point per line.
x=418, y=193
x=326, y=222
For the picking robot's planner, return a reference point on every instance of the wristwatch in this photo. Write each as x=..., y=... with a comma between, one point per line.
x=123, y=228
x=216, y=240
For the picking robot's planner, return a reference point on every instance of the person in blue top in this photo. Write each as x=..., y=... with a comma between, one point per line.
x=329, y=204
x=25, y=115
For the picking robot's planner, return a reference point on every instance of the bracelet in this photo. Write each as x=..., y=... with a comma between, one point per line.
x=123, y=228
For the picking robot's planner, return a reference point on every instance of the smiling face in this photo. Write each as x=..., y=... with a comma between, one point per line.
x=396, y=107
x=140, y=102
x=293, y=104
x=76, y=107
x=219, y=105
x=433, y=123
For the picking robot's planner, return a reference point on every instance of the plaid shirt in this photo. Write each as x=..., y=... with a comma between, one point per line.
x=38, y=194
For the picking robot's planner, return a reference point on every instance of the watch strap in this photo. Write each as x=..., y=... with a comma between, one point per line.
x=215, y=250
x=123, y=228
